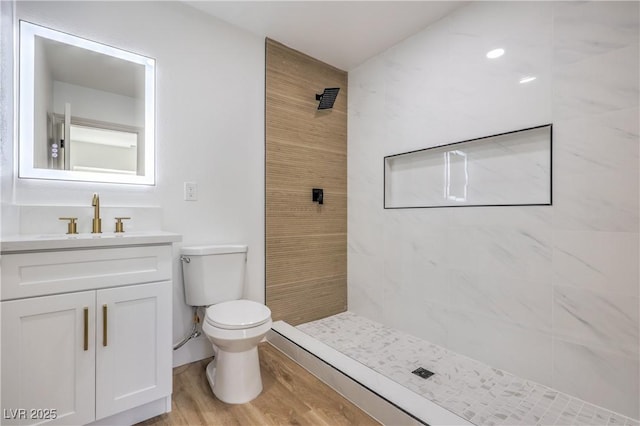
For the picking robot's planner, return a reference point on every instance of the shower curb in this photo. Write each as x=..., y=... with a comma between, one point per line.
x=380, y=397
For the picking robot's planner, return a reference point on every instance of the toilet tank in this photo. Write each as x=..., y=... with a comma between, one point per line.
x=213, y=273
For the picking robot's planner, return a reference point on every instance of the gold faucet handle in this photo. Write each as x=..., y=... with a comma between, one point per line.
x=72, y=226
x=120, y=224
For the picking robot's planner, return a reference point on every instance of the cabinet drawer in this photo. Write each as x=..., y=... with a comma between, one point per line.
x=42, y=273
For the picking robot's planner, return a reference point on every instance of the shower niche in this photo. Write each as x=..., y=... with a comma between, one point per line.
x=507, y=169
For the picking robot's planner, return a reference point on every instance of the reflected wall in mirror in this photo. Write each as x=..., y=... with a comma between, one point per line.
x=86, y=110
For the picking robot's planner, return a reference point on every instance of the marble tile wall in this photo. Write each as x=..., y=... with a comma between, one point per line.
x=550, y=294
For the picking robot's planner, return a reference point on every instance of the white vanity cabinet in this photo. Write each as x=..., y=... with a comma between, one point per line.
x=44, y=363
x=86, y=333
x=133, y=346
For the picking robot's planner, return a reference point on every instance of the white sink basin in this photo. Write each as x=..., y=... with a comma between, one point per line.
x=20, y=243
x=85, y=236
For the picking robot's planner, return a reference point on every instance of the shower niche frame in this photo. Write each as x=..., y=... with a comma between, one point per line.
x=506, y=169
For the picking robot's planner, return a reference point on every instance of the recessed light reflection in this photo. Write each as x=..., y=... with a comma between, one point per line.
x=527, y=79
x=456, y=175
x=495, y=53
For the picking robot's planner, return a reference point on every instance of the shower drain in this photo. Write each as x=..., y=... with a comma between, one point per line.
x=422, y=372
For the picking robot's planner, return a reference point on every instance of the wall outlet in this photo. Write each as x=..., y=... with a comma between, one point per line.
x=190, y=191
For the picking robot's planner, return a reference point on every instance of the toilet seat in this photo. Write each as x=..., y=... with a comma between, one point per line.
x=237, y=315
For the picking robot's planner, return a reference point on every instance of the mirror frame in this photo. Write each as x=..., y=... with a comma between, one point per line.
x=26, y=169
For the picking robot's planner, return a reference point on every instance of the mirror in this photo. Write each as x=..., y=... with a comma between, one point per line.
x=87, y=110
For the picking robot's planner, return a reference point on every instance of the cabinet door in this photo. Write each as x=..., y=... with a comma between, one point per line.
x=48, y=359
x=133, y=346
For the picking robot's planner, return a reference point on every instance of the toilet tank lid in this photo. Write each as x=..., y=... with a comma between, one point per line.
x=213, y=249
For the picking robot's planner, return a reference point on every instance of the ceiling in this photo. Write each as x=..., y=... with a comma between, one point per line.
x=341, y=33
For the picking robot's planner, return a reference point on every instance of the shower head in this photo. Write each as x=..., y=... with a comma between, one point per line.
x=327, y=98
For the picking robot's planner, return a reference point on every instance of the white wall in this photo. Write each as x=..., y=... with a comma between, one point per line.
x=548, y=293
x=7, y=212
x=209, y=130
x=97, y=104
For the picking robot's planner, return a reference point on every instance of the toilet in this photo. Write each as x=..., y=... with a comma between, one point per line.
x=214, y=277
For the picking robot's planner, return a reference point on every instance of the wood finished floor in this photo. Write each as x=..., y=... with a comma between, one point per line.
x=290, y=396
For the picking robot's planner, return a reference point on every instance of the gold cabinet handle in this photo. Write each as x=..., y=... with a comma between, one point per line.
x=104, y=325
x=86, y=329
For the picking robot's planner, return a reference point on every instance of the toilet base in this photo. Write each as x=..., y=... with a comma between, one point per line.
x=234, y=377
x=211, y=373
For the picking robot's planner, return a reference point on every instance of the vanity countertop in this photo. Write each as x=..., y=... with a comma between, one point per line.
x=22, y=243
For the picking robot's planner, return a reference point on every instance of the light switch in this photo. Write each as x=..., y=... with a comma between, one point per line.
x=190, y=191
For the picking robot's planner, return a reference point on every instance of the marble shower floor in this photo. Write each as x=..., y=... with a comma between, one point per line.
x=475, y=391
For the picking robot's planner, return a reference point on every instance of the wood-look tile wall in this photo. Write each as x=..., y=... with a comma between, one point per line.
x=306, y=244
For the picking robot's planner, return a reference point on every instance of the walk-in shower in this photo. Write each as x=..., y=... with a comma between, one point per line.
x=525, y=314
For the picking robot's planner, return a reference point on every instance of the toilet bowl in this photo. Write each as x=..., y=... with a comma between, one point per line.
x=235, y=328
x=214, y=276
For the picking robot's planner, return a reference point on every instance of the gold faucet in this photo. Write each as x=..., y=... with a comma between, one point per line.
x=97, y=222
